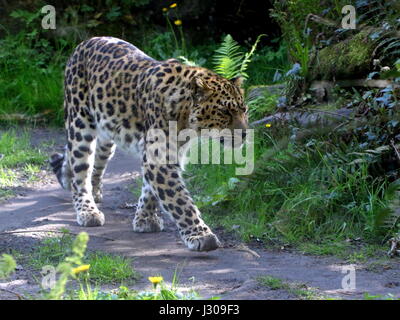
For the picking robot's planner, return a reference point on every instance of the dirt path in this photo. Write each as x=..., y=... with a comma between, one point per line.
x=228, y=272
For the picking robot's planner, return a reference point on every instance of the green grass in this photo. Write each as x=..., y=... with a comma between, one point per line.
x=352, y=253
x=272, y=282
x=265, y=63
x=19, y=161
x=299, y=290
x=299, y=193
x=262, y=106
x=368, y=296
x=30, y=78
x=51, y=251
x=109, y=268
x=104, y=268
x=161, y=291
x=17, y=151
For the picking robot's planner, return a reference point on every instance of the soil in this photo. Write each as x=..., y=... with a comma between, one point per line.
x=230, y=272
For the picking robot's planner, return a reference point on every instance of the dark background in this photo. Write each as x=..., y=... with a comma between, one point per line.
x=204, y=20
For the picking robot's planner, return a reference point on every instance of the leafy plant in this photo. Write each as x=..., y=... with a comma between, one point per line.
x=7, y=265
x=70, y=267
x=262, y=105
x=108, y=268
x=229, y=61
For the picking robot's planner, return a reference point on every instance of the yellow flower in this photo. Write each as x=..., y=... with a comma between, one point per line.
x=173, y=5
x=268, y=125
x=155, y=280
x=178, y=22
x=164, y=9
x=81, y=268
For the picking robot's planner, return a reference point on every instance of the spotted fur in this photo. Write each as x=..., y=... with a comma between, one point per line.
x=114, y=94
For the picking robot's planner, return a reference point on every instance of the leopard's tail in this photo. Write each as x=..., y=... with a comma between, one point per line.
x=60, y=164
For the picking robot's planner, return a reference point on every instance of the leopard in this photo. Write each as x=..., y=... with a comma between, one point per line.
x=114, y=95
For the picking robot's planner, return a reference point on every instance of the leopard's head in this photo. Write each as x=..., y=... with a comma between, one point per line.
x=219, y=107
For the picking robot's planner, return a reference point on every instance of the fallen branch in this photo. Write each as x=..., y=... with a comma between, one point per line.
x=335, y=114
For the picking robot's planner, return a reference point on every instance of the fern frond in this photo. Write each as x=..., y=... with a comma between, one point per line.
x=230, y=61
x=228, y=58
x=247, y=57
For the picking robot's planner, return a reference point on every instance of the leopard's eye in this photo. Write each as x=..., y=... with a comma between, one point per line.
x=226, y=111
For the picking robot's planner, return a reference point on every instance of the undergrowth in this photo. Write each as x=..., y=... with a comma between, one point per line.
x=299, y=192
x=19, y=161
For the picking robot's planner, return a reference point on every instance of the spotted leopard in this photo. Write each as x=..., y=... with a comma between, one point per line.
x=114, y=94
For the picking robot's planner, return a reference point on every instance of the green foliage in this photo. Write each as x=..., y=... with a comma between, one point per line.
x=339, y=53
x=104, y=268
x=66, y=269
x=108, y=268
x=229, y=61
x=298, y=192
x=299, y=290
x=228, y=58
x=291, y=17
x=18, y=160
x=268, y=65
x=389, y=296
x=262, y=106
x=17, y=150
x=51, y=251
x=345, y=59
x=272, y=282
x=161, y=291
x=31, y=69
x=7, y=265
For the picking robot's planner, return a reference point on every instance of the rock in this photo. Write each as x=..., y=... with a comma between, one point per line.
x=348, y=59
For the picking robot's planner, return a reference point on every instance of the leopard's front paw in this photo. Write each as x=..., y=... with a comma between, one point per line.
x=205, y=242
x=153, y=223
x=93, y=218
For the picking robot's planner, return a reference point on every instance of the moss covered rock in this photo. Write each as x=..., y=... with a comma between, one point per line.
x=348, y=59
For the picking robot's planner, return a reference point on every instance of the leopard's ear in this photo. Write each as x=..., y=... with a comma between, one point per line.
x=201, y=89
x=238, y=81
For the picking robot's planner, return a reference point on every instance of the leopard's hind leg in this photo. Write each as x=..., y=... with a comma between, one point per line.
x=104, y=152
x=146, y=218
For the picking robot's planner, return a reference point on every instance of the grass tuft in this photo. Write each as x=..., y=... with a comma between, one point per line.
x=109, y=268
x=104, y=268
